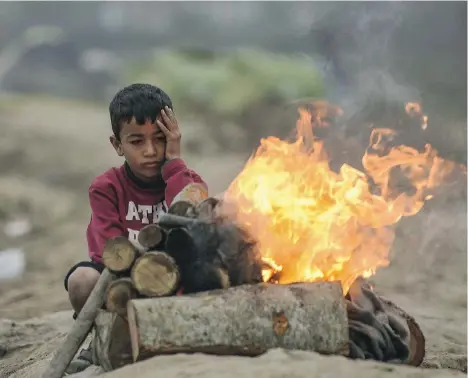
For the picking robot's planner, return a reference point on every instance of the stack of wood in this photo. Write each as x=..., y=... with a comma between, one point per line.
x=138, y=275
x=189, y=249
x=225, y=309
x=193, y=248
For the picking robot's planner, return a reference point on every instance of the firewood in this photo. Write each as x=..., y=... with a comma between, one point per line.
x=119, y=254
x=151, y=236
x=198, y=271
x=244, y=320
x=111, y=345
x=155, y=274
x=170, y=221
x=180, y=246
x=213, y=255
x=185, y=201
x=80, y=328
x=119, y=292
x=182, y=208
x=193, y=193
x=417, y=340
x=368, y=311
x=206, y=208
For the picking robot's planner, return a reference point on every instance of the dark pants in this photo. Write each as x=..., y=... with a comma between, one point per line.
x=99, y=267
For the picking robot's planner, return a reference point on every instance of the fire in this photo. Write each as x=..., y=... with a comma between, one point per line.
x=312, y=223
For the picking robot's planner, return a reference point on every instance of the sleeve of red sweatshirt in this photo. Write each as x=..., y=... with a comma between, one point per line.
x=105, y=221
x=177, y=176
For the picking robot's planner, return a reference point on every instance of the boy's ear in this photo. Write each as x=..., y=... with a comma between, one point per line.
x=116, y=144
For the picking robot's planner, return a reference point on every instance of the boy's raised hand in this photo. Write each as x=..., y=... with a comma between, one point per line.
x=170, y=128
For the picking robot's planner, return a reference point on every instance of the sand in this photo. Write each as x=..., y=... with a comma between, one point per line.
x=49, y=152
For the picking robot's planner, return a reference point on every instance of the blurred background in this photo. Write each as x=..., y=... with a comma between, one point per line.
x=236, y=72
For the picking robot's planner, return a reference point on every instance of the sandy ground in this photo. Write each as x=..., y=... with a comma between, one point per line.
x=49, y=152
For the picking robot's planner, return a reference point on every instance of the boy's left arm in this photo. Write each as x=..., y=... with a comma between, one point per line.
x=174, y=172
x=177, y=176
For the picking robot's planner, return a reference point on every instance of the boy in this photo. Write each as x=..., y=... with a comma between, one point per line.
x=125, y=199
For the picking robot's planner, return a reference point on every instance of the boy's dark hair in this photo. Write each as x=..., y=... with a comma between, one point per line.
x=142, y=101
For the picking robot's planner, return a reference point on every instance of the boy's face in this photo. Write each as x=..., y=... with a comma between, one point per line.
x=143, y=147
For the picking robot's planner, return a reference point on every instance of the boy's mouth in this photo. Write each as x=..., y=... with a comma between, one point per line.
x=151, y=164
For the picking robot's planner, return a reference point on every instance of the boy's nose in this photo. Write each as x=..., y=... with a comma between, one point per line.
x=150, y=150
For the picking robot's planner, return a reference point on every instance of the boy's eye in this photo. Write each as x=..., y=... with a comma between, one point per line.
x=136, y=142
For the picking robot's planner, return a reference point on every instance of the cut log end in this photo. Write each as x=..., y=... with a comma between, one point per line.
x=193, y=193
x=206, y=208
x=150, y=236
x=111, y=345
x=119, y=254
x=185, y=201
x=119, y=292
x=182, y=208
x=155, y=274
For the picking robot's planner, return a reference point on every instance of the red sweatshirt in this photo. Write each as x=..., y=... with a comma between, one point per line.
x=120, y=205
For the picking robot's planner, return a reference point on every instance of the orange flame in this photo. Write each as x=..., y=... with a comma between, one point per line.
x=315, y=224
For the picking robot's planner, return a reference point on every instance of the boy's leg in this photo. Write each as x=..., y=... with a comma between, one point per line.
x=79, y=282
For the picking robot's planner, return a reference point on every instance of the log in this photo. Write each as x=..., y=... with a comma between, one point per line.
x=185, y=201
x=245, y=320
x=151, y=236
x=155, y=274
x=199, y=267
x=119, y=254
x=170, y=221
x=206, y=208
x=119, y=292
x=213, y=255
x=367, y=311
x=180, y=246
x=417, y=340
x=182, y=208
x=111, y=345
x=80, y=328
x=193, y=193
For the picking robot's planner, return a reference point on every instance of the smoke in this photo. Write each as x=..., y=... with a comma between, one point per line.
x=380, y=55
x=391, y=50
x=355, y=38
